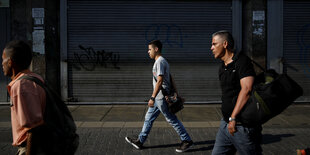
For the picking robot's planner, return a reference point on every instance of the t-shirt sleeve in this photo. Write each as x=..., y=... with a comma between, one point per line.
x=160, y=68
x=245, y=67
x=28, y=108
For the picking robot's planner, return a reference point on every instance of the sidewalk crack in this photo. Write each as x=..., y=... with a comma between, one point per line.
x=106, y=114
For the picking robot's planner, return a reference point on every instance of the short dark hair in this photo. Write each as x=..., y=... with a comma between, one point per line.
x=226, y=35
x=157, y=44
x=20, y=53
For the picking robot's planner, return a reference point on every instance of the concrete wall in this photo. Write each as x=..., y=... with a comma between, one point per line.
x=37, y=23
x=47, y=62
x=52, y=44
x=5, y=34
x=22, y=29
x=254, y=31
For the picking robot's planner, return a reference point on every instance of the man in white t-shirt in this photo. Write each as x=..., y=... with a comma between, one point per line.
x=157, y=103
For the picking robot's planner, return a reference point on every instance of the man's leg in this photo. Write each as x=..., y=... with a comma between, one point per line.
x=150, y=116
x=21, y=150
x=223, y=144
x=248, y=140
x=173, y=120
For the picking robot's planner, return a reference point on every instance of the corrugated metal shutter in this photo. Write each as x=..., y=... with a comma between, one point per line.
x=107, y=47
x=5, y=38
x=296, y=38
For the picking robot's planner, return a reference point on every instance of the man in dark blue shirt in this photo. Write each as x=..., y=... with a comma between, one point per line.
x=236, y=75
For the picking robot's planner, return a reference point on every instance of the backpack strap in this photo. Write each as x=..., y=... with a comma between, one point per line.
x=258, y=65
x=172, y=87
x=34, y=79
x=255, y=63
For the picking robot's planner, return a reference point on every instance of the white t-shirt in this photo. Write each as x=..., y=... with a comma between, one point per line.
x=161, y=67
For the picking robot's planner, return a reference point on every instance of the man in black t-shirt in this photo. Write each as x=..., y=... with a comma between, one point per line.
x=236, y=75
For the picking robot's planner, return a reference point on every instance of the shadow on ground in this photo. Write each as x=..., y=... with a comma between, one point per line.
x=269, y=138
x=195, y=148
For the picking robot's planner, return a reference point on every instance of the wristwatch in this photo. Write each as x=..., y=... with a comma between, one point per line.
x=231, y=119
x=152, y=98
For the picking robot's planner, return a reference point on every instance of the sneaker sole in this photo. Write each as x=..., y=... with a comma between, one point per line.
x=133, y=144
x=181, y=151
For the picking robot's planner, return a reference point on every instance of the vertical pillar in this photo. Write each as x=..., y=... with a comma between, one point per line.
x=275, y=35
x=237, y=23
x=254, y=31
x=63, y=50
x=52, y=45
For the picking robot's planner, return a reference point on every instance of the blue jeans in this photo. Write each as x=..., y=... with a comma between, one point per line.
x=246, y=140
x=152, y=114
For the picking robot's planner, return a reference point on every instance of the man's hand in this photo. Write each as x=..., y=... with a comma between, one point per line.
x=244, y=94
x=157, y=88
x=151, y=103
x=232, y=127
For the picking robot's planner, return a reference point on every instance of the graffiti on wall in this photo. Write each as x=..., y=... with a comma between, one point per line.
x=89, y=59
x=304, y=48
x=169, y=34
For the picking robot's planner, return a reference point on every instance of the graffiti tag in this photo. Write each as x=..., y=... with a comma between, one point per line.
x=168, y=34
x=90, y=58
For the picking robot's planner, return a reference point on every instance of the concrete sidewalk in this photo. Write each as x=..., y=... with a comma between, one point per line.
x=192, y=116
x=102, y=129
x=200, y=116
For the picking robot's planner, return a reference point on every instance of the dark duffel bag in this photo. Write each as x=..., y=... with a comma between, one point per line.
x=272, y=93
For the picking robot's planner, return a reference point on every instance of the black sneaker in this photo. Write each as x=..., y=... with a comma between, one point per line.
x=185, y=145
x=134, y=142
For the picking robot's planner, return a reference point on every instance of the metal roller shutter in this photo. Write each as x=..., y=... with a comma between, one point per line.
x=107, y=47
x=4, y=39
x=296, y=47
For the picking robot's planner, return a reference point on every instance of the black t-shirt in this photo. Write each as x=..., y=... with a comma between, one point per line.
x=230, y=77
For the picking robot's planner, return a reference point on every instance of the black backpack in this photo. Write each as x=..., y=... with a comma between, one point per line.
x=272, y=93
x=59, y=131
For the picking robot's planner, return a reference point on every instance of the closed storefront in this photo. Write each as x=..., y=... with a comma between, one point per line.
x=106, y=48
x=5, y=37
x=296, y=43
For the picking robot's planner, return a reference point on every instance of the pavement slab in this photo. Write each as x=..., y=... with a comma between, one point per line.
x=102, y=129
x=110, y=141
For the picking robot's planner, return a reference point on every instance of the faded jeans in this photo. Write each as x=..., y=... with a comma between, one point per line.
x=160, y=106
x=22, y=150
x=246, y=140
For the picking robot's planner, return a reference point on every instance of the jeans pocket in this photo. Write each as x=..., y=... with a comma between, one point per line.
x=244, y=130
x=247, y=130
